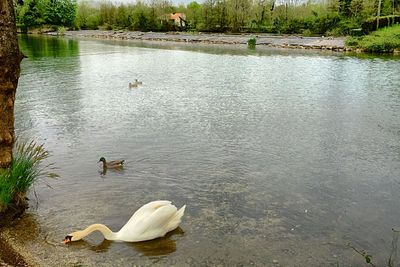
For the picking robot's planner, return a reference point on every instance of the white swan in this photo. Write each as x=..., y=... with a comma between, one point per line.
x=151, y=221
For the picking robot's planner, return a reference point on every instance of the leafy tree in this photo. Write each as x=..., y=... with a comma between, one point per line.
x=260, y=13
x=285, y=16
x=193, y=14
x=209, y=15
x=107, y=14
x=60, y=12
x=31, y=13
x=238, y=13
x=122, y=20
x=221, y=9
x=344, y=7
x=143, y=23
x=356, y=8
x=87, y=17
x=369, y=9
x=387, y=7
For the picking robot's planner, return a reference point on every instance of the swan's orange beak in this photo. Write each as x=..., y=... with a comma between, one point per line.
x=67, y=239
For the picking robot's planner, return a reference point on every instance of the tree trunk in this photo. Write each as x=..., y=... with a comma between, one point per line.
x=379, y=14
x=10, y=58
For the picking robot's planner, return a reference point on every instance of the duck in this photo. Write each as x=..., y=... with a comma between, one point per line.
x=135, y=84
x=153, y=220
x=112, y=164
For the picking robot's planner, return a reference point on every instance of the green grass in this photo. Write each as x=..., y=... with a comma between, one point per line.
x=385, y=40
x=25, y=170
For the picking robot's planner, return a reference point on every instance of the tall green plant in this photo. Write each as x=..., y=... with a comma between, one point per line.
x=26, y=169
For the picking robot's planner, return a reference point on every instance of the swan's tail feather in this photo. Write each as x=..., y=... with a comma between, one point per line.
x=176, y=219
x=180, y=212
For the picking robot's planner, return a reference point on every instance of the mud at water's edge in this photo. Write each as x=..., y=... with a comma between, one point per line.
x=9, y=257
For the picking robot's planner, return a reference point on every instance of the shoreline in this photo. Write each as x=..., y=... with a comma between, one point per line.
x=263, y=40
x=12, y=252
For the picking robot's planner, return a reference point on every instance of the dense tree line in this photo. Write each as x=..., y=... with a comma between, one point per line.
x=334, y=17
x=34, y=13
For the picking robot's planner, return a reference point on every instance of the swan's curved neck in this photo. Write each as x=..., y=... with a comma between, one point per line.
x=107, y=233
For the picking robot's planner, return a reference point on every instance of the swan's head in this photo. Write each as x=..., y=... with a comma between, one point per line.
x=75, y=236
x=102, y=159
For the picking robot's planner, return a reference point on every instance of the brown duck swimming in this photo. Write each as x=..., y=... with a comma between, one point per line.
x=112, y=164
x=135, y=84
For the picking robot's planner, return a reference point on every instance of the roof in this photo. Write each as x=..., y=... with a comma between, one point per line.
x=176, y=16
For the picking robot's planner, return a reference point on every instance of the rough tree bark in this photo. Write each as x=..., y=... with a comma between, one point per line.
x=10, y=59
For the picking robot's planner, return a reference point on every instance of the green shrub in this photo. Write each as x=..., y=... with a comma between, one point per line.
x=61, y=31
x=352, y=41
x=322, y=24
x=306, y=32
x=382, y=41
x=334, y=32
x=25, y=170
x=251, y=43
x=347, y=25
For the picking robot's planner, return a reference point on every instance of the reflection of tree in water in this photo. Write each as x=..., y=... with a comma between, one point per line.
x=51, y=88
x=39, y=47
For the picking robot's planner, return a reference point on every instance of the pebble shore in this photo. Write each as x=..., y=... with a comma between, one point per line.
x=277, y=41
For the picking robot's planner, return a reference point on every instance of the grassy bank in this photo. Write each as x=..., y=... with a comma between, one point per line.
x=25, y=170
x=386, y=40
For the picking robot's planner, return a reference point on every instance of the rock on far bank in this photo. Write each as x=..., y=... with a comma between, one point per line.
x=280, y=41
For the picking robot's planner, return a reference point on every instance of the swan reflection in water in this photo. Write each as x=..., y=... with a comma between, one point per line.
x=157, y=247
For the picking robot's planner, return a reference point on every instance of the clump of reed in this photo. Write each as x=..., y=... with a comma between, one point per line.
x=26, y=169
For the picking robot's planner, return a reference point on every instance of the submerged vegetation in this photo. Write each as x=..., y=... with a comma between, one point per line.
x=26, y=168
x=393, y=258
x=385, y=40
x=331, y=17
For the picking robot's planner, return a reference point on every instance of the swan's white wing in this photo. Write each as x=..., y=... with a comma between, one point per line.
x=163, y=220
x=148, y=209
x=157, y=220
x=151, y=222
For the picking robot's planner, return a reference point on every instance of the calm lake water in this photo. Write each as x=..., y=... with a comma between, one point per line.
x=282, y=158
